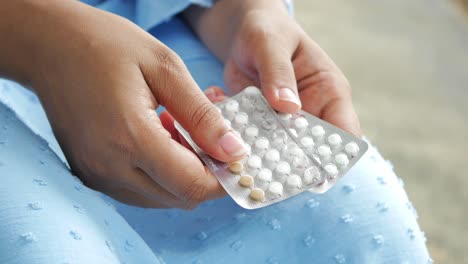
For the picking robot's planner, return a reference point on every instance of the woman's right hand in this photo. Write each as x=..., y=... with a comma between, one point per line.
x=100, y=78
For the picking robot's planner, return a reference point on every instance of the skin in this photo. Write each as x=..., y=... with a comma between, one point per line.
x=100, y=77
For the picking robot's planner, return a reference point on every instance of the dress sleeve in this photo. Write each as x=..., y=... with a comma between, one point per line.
x=149, y=13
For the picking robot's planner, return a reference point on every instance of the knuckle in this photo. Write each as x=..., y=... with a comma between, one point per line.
x=194, y=194
x=169, y=63
x=204, y=115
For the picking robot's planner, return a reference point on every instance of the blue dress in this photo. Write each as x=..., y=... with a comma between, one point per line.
x=48, y=216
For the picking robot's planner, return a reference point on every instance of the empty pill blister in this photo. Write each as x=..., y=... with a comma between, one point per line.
x=289, y=153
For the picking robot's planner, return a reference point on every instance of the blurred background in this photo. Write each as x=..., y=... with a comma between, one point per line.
x=407, y=62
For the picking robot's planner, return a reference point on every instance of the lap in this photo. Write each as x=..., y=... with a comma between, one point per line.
x=49, y=216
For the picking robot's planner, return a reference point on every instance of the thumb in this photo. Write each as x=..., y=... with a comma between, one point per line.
x=174, y=88
x=277, y=78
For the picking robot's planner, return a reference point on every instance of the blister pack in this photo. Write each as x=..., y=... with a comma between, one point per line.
x=288, y=153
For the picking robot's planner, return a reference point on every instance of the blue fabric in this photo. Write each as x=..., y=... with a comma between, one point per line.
x=48, y=216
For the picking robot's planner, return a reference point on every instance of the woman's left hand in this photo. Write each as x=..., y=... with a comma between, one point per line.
x=263, y=45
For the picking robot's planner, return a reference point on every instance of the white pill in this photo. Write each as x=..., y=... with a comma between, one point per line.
x=282, y=171
x=301, y=123
x=272, y=157
x=285, y=117
x=231, y=108
x=251, y=90
x=307, y=142
x=283, y=168
x=331, y=170
x=318, y=131
x=241, y=120
x=324, y=151
x=254, y=162
x=341, y=160
x=250, y=133
x=352, y=149
x=264, y=176
x=334, y=140
x=275, y=189
x=246, y=180
x=294, y=181
x=261, y=144
x=312, y=176
x=257, y=194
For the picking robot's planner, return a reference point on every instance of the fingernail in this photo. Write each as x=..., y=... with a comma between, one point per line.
x=233, y=144
x=286, y=94
x=210, y=93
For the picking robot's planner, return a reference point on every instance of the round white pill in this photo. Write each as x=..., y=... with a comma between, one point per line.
x=312, y=176
x=283, y=168
x=318, y=131
x=275, y=189
x=251, y=90
x=352, y=149
x=294, y=181
x=334, y=140
x=341, y=160
x=301, y=123
x=285, y=117
x=257, y=194
x=324, y=151
x=246, y=180
x=241, y=119
x=272, y=156
x=307, y=142
x=231, y=108
x=250, y=133
x=264, y=176
x=331, y=170
x=282, y=171
x=254, y=162
x=261, y=144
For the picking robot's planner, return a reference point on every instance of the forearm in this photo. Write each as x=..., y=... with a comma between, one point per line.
x=36, y=34
x=217, y=26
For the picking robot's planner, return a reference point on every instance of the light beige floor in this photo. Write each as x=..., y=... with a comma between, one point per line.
x=408, y=64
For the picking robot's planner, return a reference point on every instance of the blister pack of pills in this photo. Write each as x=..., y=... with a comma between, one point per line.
x=288, y=153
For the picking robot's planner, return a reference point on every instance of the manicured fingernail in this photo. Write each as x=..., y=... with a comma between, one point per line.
x=210, y=93
x=286, y=94
x=233, y=144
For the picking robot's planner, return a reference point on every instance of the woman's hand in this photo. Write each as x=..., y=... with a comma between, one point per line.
x=100, y=79
x=262, y=45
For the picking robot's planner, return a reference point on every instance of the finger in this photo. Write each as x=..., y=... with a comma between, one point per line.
x=340, y=112
x=174, y=88
x=168, y=123
x=137, y=181
x=174, y=167
x=277, y=78
x=325, y=89
x=129, y=197
x=215, y=94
